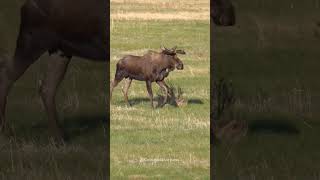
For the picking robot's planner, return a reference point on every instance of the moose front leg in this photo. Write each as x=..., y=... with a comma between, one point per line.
x=149, y=88
x=9, y=73
x=28, y=50
x=48, y=88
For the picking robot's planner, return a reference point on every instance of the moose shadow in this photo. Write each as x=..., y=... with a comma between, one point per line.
x=156, y=100
x=137, y=101
x=76, y=126
x=272, y=126
x=159, y=100
x=195, y=101
x=84, y=124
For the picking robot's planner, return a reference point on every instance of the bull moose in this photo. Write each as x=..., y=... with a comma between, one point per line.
x=151, y=67
x=71, y=28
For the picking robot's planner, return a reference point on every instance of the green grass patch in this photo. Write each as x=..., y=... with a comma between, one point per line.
x=169, y=142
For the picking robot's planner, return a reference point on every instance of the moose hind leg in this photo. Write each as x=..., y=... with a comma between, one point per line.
x=113, y=84
x=118, y=78
x=126, y=89
x=48, y=88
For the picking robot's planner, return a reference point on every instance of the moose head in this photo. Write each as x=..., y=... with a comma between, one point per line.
x=173, y=53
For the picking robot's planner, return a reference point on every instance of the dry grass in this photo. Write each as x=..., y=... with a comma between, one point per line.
x=160, y=16
x=30, y=160
x=178, y=4
x=160, y=10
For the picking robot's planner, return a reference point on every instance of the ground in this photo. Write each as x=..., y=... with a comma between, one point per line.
x=272, y=58
x=169, y=142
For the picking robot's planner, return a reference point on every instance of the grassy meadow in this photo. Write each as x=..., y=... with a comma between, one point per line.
x=169, y=142
x=272, y=58
x=81, y=101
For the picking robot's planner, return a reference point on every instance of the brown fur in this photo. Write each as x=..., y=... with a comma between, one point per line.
x=222, y=12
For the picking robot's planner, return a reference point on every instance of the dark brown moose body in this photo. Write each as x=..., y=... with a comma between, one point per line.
x=70, y=27
x=151, y=67
x=222, y=12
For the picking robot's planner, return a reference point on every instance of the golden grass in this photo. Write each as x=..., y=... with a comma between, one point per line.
x=162, y=2
x=161, y=16
x=160, y=10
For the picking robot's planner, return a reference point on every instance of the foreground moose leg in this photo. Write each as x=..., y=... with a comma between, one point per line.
x=28, y=50
x=165, y=88
x=10, y=72
x=149, y=88
x=48, y=88
x=125, y=90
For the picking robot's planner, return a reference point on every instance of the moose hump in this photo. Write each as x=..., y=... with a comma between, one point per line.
x=222, y=12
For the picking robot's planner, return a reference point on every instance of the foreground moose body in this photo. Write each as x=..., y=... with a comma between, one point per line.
x=151, y=67
x=222, y=13
x=72, y=28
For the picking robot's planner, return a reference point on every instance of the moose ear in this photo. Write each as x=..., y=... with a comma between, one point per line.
x=162, y=47
x=180, y=51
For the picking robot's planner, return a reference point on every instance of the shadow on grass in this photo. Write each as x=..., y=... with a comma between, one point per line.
x=272, y=126
x=84, y=125
x=137, y=101
x=74, y=127
x=195, y=101
x=159, y=100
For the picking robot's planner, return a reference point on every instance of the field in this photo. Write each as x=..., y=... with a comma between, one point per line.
x=82, y=108
x=272, y=58
x=169, y=142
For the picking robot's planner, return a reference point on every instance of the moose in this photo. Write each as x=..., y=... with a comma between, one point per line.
x=55, y=26
x=151, y=67
x=222, y=12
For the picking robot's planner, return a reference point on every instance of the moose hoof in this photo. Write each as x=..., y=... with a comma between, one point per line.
x=156, y=104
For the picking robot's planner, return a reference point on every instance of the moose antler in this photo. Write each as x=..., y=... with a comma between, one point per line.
x=172, y=51
x=180, y=51
x=166, y=50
